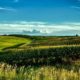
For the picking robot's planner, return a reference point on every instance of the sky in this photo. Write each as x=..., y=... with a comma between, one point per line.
x=40, y=17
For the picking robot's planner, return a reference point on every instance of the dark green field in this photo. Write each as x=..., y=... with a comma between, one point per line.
x=39, y=58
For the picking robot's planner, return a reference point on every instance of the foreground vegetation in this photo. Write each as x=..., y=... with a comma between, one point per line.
x=39, y=58
x=39, y=73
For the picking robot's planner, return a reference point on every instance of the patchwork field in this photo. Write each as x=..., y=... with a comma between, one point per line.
x=39, y=58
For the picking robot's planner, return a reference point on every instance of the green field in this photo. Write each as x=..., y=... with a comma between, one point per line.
x=9, y=41
x=39, y=58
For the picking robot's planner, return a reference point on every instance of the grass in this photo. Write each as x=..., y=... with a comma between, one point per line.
x=9, y=41
x=38, y=73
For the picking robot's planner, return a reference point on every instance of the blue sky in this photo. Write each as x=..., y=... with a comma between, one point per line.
x=64, y=13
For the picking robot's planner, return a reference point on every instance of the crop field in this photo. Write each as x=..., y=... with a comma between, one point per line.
x=39, y=58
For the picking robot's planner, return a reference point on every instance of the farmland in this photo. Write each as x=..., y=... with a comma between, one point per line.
x=8, y=41
x=39, y=58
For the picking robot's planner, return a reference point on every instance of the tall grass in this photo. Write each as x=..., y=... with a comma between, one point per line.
x=8, y=72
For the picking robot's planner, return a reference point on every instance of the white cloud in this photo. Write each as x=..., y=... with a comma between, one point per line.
x=7, y=9
x=41, y=28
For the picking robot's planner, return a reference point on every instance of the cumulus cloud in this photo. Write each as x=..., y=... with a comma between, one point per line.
x=40, y=28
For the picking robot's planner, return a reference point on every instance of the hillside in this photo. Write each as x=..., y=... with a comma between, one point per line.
x=9, y=41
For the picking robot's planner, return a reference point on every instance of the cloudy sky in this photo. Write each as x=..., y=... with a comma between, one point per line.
x=40, y=17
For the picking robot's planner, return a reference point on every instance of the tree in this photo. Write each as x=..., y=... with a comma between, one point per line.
x=77, y=35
